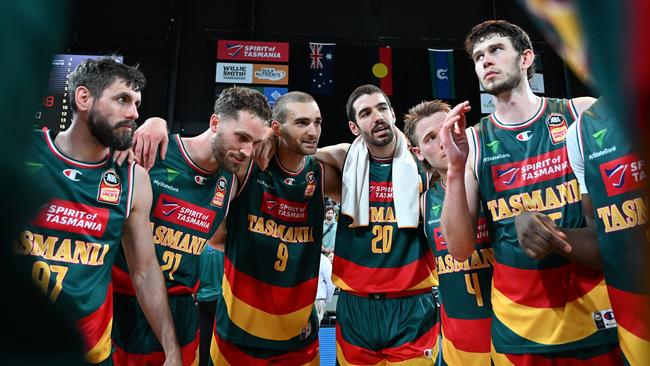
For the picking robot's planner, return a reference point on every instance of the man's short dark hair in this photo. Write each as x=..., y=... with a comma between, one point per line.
x=97, y=75
x=518, y=37
x=235, y=99
x=366, y=89
x=280, y=108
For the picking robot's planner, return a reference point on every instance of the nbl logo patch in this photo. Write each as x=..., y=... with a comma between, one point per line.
x=623, y=175
x=311, y=184
x=220, y=192
x=557, y=128
x=110, y=189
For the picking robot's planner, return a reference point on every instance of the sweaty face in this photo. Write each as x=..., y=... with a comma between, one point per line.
x=375, y=119
x=497, y=64
x=233, y=143
x=428, y=136
x=301, y=131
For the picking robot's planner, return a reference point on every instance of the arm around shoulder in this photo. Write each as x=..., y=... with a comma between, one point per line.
x=333, y=155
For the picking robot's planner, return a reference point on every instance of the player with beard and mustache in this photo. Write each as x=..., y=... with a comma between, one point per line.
x=384, y=266
x=68, y=247
x=265, y=313
x=192, y=189
x=549, y=299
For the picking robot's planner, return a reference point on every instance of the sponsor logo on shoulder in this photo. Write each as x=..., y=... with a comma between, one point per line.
x=557, y=127
x=311, y=184
x=72, y=174
x=165, y=185
x=110, y=189
x=599, y=137
x=540, y=168
x=624, y=174
x=494, y=148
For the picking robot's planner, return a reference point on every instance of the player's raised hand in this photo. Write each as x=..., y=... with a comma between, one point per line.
x=452, y=136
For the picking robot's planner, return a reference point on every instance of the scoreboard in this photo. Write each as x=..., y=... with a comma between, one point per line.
x=55, y=112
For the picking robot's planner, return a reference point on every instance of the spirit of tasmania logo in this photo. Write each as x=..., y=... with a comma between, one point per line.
x=284, y=210
x=622, y=175
x=482, y=235
x=73, y=217
x=381, y=191
x=540, y=168
x=179, y=212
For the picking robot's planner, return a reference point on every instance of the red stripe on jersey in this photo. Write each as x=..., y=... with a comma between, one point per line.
x=93, y=326
x=124, y=358
x=613, y=357
x=545, y=288
x=183, y=290
x=122, y=281
x=632, y=311
x=383, y=280
x=235, y=356
x=271, y=299
x=469, y=335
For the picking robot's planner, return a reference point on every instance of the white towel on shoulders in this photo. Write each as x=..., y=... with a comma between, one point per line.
x=356, y=182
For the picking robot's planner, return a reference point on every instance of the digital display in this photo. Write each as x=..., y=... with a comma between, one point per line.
x=55, y=112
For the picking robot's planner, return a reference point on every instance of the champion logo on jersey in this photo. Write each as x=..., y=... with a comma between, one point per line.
x=508, y=176
x=72, y=174
x=200, y=179
x=110, y=189
x=289, y=181
x=557, y=127
x=169, y=207
x=524, y=136
x=624, y=174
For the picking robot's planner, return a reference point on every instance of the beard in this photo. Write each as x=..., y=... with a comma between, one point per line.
x=220, y=152
x=108, y=135
x=369, y=137
x=503, y=86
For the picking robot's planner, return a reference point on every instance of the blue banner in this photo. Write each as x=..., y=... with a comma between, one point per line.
x=441, y=68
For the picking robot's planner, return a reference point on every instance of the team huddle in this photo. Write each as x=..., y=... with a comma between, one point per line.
x=530, y=224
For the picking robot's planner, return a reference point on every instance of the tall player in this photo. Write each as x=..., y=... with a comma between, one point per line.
x=546, y=301
x=265, y=314
x=383, y=264
x=464, y=287
x=192, y=190
x=70, y=245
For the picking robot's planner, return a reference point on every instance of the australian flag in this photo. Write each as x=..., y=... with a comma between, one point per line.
x=321, y=64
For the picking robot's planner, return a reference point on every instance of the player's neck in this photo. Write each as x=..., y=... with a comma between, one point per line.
x=516, y=105
x=289, y=160
x=79, y=144
x=386, y=151
x=199, y=148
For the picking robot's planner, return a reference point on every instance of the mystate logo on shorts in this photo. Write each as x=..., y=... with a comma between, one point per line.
x=540, y=168
x=624, y=174
x=73, y=217
x=284, y=210
x=179, y=212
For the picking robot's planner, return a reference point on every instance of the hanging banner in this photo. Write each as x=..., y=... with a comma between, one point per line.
x=253, y=51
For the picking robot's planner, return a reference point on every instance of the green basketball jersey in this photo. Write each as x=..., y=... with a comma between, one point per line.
x=380, y=257
x=272, y=258
x=464, y=287
x=70, y=244
x=188, y=205
x=540, y=306
x=615, y=176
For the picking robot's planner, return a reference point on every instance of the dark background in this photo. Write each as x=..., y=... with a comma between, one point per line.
x=175, y=44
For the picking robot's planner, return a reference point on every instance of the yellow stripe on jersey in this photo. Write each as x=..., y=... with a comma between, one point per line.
x=262, y=324
x=499, y=359
x=428, y=282
x=552, y=326
x=215, y=355
x=101, y=350
x=635, y=349
x=340, y=358
x=454, y=356
x=338, y=282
